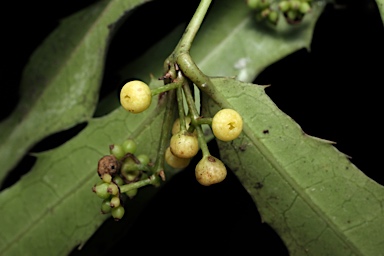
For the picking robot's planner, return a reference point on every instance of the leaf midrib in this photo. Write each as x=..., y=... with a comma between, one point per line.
x=269, y=156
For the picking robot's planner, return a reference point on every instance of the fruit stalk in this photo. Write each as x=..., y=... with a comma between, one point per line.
x=193, y=27
x=195, y=116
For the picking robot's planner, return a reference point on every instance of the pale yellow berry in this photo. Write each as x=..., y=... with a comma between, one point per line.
x=227, y=124
x=184, y=144
x=210, y=170
x=135, y=96
x=174, y=161
x=176, y=125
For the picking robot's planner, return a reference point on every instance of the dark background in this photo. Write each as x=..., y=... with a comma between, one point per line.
x=333, y=92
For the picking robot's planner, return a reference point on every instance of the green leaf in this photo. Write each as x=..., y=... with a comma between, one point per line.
x=309, y=192
x=56, y=194
x=380, y=5
x=231, y=43
x=52, y=208
x=60, y=83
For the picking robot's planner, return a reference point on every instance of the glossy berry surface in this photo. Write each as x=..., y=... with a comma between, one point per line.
x=174, y=161
x=135, y=96
x=184, y=145
x=227, y=124
x=118, y=212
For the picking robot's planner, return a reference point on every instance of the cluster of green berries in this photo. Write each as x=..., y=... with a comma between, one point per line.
x=226, y=125
x=292, y=10
x=118, y=168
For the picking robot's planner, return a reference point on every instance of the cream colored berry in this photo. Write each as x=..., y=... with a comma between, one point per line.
x=227, y=124
x=135, y=96
x=184, y=144
x=174, y=161
x=176, y=124
x=210, y=170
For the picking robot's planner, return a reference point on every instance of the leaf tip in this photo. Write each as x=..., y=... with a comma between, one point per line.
x=320, y=139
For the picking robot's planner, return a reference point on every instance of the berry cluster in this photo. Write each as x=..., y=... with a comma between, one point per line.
x=226, y=125
x=292, y=10
x=120, y=168
x=185, y=139
x=122, y=172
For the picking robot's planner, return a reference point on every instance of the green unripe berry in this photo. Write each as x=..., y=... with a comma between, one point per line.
x=129, y=146
x=304, y=7
x=265, y=4
x=144, y=159
x=115, y=202
x=118, y=180
x=295, y=4
x=117, y=151
x=284, y=6
x=101, y=190
x=135, y=96
x=107, y=178
x=184, y=144
x=174, y=161
x=273, y=17
x=227, y=124
x=254, y=4
x=113, y=189
x=131, y=193
x=105, y=206
x=210, y=170
x=118, y=212
x=292, y=15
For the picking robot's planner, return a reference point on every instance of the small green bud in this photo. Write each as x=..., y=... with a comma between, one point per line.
x=113, y=189
x=118, y=180
x=131, y=193
x=107, y=178
x=101, y=190
x=273, y=17
x=118, y=212
x=292, y=15
x=117, y=150
x=295, y=4
x=129, y=146
x=284, y=6
x=115, y=202
x=144, y=159
x=304, y=7
x=254, y=4
x=105, y=206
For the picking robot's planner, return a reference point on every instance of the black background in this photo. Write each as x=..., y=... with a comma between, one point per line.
x=333, y=92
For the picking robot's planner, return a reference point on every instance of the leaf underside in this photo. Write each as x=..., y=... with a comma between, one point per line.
x=309, y=192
